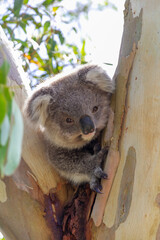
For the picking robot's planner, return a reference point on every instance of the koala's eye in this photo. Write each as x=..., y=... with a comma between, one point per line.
x=95, y=109
x=69, y=120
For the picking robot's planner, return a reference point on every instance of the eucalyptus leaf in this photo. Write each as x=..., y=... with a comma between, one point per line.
x=25, y=1
x=83, y=53
x=4, y=69
x=5, y=17
x=48, y=2
x=3, y=107
x=17, y=7
x=62, y=39
x=15, y=143
x=23, y=26
x=46, y=25
x=5, y=127
x=3, y=152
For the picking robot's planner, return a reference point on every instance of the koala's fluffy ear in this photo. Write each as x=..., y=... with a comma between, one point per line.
x=36, y=108
x=99, y=77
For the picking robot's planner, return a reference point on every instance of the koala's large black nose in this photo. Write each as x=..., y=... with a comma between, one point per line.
x=87, y=125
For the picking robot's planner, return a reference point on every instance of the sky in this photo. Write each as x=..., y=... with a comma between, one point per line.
x=104, y=29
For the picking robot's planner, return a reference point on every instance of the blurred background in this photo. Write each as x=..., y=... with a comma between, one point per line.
x=55, y=35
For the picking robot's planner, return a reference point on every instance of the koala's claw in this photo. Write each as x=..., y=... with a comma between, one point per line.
x=95, y=185
x=104, y=175
x=100, y=187
x=98, y=172
x=98, y=190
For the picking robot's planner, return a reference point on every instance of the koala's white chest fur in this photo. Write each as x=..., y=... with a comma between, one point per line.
x=75, y=177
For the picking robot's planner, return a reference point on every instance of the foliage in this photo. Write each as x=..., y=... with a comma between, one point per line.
x=37, y=30
x=11, y=126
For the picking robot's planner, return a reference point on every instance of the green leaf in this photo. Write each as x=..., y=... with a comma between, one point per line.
x=46, y=25
x=3, y=107
x=38, y=25
x=15, y=142
x=8, y=96
x=10, y=32
x=3, y=153
x=36, y=10
x=75, y=30
x=75, y=50
x=61, y=37
x=51, y=46
x=17, y=7
x=47, y=2
x=5, y=17
x=5, y=128
x=23, y=43
x=83, y=53
x=40, y=60
x=23, y=26
x=28, y=17
x=54, y=9
x=25, y=1
x=4, y=69
x=110, y=64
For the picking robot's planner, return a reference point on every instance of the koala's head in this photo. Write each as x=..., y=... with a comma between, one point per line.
x=72, y=109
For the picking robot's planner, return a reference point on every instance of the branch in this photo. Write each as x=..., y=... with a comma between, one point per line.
x=27, y=194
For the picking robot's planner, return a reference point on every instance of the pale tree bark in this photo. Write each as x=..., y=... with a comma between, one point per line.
x=37, y=204
x=27, y=209
x=131, y=211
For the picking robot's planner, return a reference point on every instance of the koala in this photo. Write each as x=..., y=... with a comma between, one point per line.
x=71, y=110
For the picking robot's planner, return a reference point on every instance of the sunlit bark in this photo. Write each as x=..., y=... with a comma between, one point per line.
x=131, y=211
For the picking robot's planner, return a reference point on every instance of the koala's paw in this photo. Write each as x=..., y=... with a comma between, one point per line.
x=95, y=180
x=95, y=185
x=99, y=173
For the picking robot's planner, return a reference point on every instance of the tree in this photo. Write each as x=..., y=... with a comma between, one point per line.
x=132, y=208
x=34, y=197
x=38, y=30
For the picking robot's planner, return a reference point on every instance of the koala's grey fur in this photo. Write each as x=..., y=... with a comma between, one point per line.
x=76, y=97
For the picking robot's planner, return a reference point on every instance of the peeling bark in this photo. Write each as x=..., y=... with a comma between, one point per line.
x=113, y=155
x=131, y=210
x=75, y=216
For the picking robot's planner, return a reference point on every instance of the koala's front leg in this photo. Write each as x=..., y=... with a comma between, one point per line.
x=98, y=172
x=76, y=164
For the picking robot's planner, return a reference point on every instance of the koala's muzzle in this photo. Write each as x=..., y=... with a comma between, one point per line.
x=87, y=125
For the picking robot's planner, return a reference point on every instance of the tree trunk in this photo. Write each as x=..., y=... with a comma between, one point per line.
x=131, y=212
x=27, y=209
x=37, y=204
